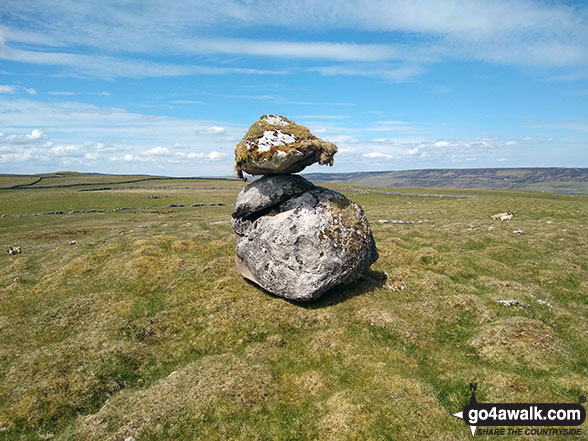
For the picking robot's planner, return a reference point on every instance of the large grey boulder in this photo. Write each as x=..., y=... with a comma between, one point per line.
x=297, y=240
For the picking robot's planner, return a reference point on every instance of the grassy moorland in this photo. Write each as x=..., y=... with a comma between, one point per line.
x=552, y=179
x=144, y=328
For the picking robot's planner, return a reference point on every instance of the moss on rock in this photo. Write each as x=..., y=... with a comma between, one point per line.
x=274, y=144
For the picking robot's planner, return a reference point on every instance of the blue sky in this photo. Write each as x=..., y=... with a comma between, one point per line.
x=170, y=87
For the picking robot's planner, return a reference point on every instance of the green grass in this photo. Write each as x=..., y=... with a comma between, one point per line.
x=152, y=333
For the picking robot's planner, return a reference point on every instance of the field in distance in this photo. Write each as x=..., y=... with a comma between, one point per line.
x=124, y=315
x=553, y=179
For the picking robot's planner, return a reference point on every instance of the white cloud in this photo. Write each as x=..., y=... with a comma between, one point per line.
x=161, y=155
x=392, y=126
x=536, y=33
x=215, y=156
x=35, y=135
x=8, y=89
x=11, y=89
x=397, y=74
x=342, y=139
x=105, y=93
x=212, y=156
x=377, y=155
x=101, y=147
x=413, y=151
x=527, y=138
x=12, y=158
x=502, y=159
x=214, y=130
x=110, y=140
x=157, y=151
x=188, y=102
x=442, y=144
x=512, y=143
x=64, y=149
x=107, y=67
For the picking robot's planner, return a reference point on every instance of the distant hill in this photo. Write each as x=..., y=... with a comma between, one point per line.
x=553, y=179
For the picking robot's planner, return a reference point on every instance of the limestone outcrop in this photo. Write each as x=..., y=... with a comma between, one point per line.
x=294, y=239
x=297, y=240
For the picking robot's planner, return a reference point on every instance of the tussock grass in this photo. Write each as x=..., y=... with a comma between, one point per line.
x=152, y=333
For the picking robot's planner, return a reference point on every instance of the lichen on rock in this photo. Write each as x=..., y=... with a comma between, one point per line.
x=298, y=240
x=275, y=145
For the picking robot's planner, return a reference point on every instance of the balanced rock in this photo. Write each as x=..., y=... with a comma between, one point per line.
x=276, y=145
x=297, y=240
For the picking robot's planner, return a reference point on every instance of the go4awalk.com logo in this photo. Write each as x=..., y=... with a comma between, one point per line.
x=492, y=418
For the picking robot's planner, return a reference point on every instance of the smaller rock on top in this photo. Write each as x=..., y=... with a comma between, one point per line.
x=276, y=120
x=276, y=145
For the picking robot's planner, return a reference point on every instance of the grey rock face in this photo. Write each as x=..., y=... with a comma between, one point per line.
x=267, y=191
x=297, y=240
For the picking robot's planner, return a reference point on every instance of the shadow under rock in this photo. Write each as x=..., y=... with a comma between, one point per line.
x=366, y=282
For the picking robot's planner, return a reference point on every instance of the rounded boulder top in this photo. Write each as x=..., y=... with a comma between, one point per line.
x=275, y=145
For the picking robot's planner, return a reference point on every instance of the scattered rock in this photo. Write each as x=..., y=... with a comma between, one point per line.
x=73, y=242
x=512, y=303
x=276, y=145
x=213, y=204
x=86, y=211
x=543, y=302
x=220, y=222
x=428, y=195
x=519, y=232
x=397, y=286
x=297, y=240
x=383, y=221
x=142, y=227
x=14, y=250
